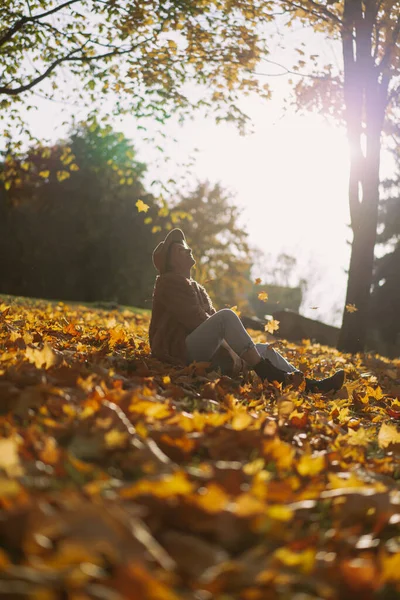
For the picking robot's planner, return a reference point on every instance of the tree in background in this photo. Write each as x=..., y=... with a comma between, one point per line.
x=74, y=232
x=211, y=224
x=363, y=94
x=385, y=315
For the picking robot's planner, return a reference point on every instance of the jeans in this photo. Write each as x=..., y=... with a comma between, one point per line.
x=205, y=340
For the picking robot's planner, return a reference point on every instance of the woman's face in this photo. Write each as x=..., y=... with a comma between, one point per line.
x=180, y=257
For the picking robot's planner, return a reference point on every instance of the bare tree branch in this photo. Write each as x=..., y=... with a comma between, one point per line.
x=325, y=14
x=24, y=20
x=63, y=59
x=287, y=71
x=33, y=82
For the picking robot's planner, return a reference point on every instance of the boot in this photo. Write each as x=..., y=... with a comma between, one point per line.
x=266, y=370
x=334, y=382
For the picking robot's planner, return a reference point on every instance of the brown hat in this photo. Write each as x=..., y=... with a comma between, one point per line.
x=161, y=251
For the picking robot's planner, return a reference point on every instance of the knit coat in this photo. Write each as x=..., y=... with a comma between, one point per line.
x=179, y=306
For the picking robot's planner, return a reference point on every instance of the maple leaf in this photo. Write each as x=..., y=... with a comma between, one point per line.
x=9, y=457
x=361, y=437
x=44, y=358
x=272, y=326
x=263, y=296
x=388, y=435
x=258, y=281
x=141, y=206
x=350, y=308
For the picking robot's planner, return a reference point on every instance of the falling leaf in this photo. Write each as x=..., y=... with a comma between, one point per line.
x=272, y=326
x=141, y=206
x=351, y=308
x=263, y=296
x=44, y=174
x=236, y=310
x=258, y=281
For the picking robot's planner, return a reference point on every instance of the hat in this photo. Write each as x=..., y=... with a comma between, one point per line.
x=161, y=251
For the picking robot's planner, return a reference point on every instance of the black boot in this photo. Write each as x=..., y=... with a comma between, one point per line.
x=334, y=382
x=266, y=370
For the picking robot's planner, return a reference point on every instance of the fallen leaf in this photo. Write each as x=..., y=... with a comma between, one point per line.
x=388, y=435
x=44, y=358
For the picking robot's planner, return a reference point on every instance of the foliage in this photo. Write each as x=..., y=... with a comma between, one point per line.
x=211, y=222
x=145, y=51
x=74, y=232
x=363, y=94
x=122, y=477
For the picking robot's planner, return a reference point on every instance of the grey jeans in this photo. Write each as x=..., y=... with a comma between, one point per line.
x=205, y=340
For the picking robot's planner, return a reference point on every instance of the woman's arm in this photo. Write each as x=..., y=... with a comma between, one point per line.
x=209, y=308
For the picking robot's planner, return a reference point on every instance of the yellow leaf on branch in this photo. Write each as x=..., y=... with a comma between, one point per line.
x=141, y=206
x=62, y=175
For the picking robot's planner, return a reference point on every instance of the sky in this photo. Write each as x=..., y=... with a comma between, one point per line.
x=289, y=176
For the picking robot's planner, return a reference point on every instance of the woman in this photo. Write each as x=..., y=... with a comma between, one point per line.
x=185, y=327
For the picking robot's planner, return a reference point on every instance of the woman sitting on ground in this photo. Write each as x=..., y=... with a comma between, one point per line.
x=185, y=327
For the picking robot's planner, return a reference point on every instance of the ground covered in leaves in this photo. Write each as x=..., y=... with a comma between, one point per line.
x=122, y=478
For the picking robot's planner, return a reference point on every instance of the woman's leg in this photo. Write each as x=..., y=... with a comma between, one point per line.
x=205, y=340
x=266, y=351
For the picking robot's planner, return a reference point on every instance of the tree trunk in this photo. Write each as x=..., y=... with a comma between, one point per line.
x=366, y=101
x=354, y=326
